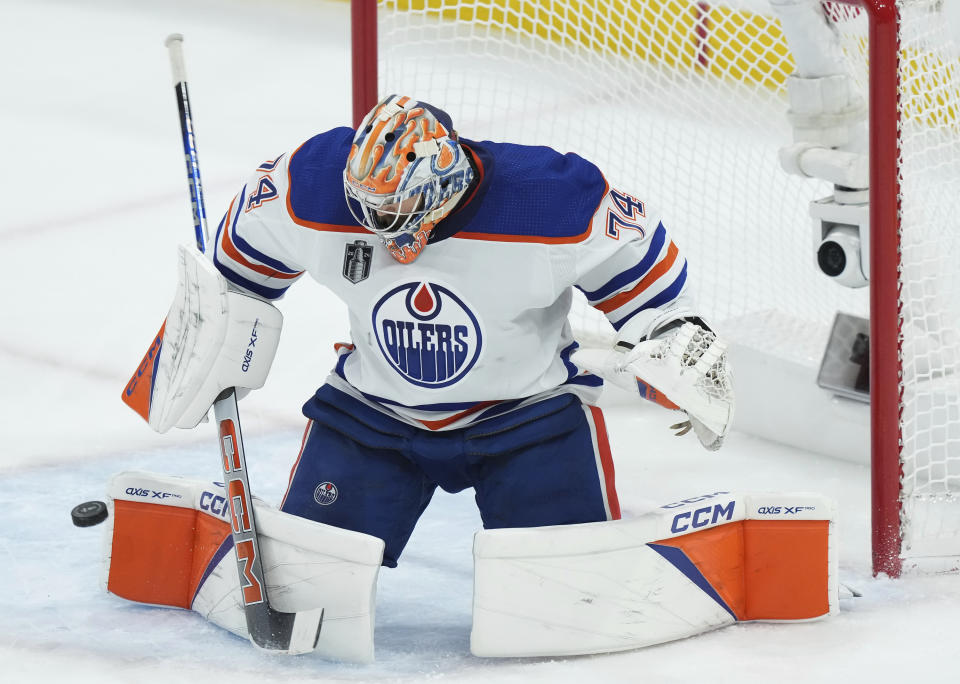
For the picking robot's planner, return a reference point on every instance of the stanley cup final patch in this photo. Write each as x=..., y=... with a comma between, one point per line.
x=357, y=256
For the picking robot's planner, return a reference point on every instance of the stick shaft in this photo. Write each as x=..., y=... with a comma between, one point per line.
x=174, y=45
x=268, y=628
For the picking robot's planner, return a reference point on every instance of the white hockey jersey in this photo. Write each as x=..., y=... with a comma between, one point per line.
x=477, y=325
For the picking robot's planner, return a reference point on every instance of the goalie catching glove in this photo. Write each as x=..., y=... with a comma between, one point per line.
x=682, y=368
x=211, y=340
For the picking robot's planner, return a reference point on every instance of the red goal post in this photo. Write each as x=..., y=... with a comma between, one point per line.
x=714, y=57
x=885, y=368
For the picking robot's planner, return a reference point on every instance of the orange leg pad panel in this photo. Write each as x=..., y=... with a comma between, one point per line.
x=160, y=553
x=760, y=569
x=785, y=569
x=717, y=555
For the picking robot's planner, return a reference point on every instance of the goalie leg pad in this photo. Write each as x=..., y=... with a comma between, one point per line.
x=178, y=551
x=684, y=569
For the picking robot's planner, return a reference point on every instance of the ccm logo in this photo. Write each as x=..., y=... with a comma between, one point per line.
x=147, y=361
x=214, y=503
x=701, y=517
x=150, y=493
x=788, y=510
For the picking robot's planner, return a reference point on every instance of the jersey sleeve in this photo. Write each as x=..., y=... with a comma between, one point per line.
x=251, y=248
x=631, y=270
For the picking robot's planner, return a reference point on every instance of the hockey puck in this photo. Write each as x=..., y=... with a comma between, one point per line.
x=89, y=513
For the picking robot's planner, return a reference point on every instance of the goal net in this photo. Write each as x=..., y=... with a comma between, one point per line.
x=683, y=103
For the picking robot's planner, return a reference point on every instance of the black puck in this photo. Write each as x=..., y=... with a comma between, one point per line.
x=89, y=513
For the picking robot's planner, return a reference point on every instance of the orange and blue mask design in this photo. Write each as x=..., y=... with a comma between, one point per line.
x=406, y=247
x=383, y=147
x=404, y=174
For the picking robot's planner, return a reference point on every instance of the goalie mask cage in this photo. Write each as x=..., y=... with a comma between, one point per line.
x=684, y=103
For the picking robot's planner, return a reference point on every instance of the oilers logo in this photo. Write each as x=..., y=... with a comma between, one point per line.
x=325, y=493
x=427, y=334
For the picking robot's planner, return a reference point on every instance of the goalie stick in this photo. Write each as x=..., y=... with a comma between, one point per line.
x=269, y=629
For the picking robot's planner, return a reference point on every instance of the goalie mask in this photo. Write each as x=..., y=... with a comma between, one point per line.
x=406, y=171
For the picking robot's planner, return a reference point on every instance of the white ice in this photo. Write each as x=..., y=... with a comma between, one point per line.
x=96, y=201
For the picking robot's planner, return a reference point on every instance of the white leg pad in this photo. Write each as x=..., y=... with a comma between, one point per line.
x=168, y=543
x=681, y=570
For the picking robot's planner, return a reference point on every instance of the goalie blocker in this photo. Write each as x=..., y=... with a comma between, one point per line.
x=212, y=339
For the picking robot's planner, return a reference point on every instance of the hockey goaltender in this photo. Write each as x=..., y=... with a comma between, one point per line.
x=457, y=260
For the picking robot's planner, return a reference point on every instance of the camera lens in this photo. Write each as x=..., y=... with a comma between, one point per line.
x=831, y=258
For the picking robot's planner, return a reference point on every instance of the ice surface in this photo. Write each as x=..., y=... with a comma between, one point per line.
x=96, y=201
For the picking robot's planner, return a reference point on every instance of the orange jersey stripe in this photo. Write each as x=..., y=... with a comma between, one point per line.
x=523, y=238
x=606, y=461
x=619, y=300
x=226, y=244
x=438, y=424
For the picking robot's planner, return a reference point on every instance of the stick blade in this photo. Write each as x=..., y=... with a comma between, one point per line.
x=285, y=633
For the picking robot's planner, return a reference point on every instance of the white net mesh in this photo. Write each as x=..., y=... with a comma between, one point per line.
x=682, y=103
x=679, y=103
